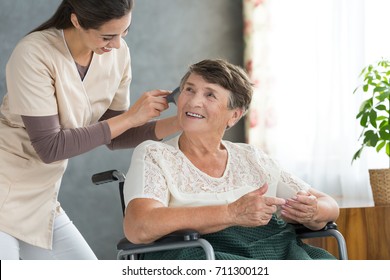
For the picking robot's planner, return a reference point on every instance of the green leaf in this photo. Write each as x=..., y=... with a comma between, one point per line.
x=383, y=119
x=381, y=107
x=379, y=89
x=370, y=138
x=363, y=120
x=360, y=114
x=384, y=133
x=363, y=71
x=366, y=104
x=365, y=88
x=380, y=146
x=383, y=96
x=388, y=149
x=373, y=116
x=357, y=154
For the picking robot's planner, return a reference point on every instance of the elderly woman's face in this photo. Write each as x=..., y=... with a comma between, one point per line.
x=203, y=107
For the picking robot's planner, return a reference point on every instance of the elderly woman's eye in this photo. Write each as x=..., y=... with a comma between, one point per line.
x=210, y=94
x=188, y=89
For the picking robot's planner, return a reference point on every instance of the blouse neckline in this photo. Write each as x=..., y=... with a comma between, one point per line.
x=223, y=143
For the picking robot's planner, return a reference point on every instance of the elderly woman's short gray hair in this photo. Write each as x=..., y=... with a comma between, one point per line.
x=231, y=77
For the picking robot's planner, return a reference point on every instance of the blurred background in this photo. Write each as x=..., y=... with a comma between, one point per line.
x=165, y=37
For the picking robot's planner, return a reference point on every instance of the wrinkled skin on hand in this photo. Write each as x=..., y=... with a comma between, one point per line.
x=302, y=208
x=254, y=208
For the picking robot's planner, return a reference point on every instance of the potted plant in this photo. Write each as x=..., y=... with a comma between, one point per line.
x=374, y=117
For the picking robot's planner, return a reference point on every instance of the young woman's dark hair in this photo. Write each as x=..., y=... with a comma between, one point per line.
x=91, y=14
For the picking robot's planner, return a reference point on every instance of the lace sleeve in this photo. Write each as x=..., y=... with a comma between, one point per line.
x=156, y=186
x=145, y=178
x=289, y=185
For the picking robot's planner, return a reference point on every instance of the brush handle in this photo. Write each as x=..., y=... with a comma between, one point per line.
x=171, y=98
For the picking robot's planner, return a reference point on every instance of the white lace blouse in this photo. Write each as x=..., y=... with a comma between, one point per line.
x=160, y=171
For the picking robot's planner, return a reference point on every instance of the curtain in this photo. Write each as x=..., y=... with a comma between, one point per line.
x=304, y=58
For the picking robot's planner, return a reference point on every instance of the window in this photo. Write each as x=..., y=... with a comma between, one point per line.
x=305, y=57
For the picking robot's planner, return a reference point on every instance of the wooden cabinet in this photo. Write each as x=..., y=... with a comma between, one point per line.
x=366, y=231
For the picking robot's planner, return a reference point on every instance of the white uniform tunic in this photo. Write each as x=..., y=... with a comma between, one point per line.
x=42, y=80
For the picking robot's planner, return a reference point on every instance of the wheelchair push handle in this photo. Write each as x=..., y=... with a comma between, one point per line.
x=108, y=177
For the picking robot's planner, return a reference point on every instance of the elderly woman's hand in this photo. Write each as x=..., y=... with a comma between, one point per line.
x=254, y=209
x=302, y=208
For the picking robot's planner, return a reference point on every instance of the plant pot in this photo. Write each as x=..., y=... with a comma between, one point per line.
x=380, y=185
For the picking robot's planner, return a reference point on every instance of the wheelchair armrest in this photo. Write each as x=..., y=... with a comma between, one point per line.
x=301, y=230
x=180, y=235
x=176, y=240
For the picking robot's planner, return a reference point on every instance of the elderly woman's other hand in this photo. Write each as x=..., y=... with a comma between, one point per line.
x=302, y=208
x=254, y=208
x=311, y=208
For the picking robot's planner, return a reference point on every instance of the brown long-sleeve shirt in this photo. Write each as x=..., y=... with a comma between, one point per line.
x=52, y=143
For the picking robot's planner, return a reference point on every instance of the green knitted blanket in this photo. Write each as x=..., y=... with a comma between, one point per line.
x=275, y=241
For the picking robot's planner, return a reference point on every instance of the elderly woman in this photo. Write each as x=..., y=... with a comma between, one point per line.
x=236, y=196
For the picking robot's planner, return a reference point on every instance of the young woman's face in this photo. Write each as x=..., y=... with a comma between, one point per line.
x=203, y=107
x=108, y=36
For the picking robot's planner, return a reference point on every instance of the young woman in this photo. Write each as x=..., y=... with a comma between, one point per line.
x=67, y=93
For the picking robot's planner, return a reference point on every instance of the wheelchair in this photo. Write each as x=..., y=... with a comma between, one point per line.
x=190, y=238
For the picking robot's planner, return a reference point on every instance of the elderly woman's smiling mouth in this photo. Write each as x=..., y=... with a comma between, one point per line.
x=194, y=115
